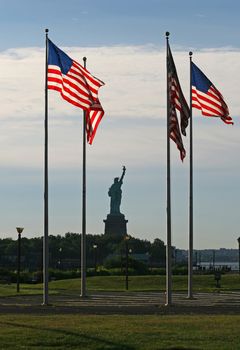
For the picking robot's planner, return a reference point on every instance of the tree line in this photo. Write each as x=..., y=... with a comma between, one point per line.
x=65, y=252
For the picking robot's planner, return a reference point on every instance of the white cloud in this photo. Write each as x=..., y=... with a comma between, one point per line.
x=134, y=76
x=134, y=99
x=132, y=133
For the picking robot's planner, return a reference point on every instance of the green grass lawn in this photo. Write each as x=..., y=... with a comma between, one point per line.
x=201, y=283
x=119, y=332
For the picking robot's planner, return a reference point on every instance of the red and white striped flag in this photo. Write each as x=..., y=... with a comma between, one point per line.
x=76, y=85
x=175, y=133
x=207, y=98
x=176, y=102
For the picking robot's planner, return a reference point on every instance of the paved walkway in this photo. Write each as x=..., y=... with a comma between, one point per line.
x=125, y=303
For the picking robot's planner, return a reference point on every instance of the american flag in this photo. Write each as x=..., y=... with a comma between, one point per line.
x=206, y=97
x=76, y=85
x=175, y=133
x=176, y=101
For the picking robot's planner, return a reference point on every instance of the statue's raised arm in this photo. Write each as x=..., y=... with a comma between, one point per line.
x=123, y=173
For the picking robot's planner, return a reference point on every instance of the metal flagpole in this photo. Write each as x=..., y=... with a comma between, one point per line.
x=45, y=238
x=169, y=244
x=190, y=248
x=83, y=237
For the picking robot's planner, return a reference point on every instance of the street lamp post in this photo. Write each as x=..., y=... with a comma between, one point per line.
x=213, y=259
x=126, y=238
x=238, y=255
x=95, y=257
x=19, y=230
x=60, y=258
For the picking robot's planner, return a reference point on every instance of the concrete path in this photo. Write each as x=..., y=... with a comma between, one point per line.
x=125, y=303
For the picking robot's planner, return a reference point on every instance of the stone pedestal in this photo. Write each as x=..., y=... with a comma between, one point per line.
x=115, y=225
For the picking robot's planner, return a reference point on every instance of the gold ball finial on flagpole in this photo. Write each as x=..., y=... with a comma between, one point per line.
x=167, y=34
x=190, y=53
x=46, y=30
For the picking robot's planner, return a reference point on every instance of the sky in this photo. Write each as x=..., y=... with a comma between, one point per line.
x=124, y=42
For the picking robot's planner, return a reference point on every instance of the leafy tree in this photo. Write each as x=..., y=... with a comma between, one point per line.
x=68, y=248
x=158, y=252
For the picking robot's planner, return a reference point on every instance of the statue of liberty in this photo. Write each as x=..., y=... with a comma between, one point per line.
x=115, y=193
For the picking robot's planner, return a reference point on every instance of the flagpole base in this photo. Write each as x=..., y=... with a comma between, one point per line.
x=84, y=296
